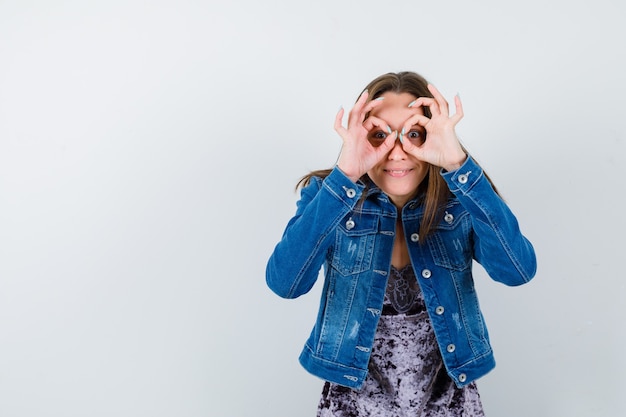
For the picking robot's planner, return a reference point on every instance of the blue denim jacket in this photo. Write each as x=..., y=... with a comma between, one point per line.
x=353, y=242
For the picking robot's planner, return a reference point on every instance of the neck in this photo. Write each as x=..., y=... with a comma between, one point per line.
x=400, y=254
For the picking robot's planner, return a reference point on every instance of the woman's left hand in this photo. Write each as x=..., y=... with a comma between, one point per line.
x=442, y=147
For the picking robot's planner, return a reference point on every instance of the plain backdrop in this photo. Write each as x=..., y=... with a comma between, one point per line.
x=148, y=156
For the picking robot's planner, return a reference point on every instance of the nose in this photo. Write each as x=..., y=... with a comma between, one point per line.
x=397, y=153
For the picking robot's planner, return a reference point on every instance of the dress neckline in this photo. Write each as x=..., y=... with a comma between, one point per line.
x=401, y=270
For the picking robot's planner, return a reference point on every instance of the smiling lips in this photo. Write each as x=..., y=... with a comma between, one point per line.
x=398, y=172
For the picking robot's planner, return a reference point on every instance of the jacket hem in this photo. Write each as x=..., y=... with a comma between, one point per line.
x=330, y=371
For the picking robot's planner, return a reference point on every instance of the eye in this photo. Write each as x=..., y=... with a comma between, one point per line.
x=417, y=137
x=377, y=137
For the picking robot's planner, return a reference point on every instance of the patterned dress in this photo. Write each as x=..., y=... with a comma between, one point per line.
x=406, y=376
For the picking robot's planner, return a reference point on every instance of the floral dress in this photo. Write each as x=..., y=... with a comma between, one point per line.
x=406, y=376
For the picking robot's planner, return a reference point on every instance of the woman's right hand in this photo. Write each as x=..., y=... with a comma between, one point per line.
x=358, y=155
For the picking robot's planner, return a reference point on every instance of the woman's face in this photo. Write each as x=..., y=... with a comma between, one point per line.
x=398, y=174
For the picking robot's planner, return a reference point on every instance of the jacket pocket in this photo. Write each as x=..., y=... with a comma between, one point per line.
x=450, y=245
x=354, y=244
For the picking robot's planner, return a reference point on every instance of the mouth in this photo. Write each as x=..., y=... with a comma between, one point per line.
x=398, y=172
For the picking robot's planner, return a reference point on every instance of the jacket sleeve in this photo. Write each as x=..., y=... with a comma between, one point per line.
x=294, y=266
x=499, y=245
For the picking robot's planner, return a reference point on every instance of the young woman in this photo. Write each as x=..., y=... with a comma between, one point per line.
x=395, y=226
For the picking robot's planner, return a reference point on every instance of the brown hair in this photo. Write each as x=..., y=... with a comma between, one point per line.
x=433, y=189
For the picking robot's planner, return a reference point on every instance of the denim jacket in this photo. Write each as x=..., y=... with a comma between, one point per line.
x=352, y=239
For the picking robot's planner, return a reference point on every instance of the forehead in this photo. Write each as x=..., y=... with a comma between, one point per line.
x=395, y=107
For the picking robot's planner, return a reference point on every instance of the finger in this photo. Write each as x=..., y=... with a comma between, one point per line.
x=387, y=145
x=429, y=102
x=356, y=115
x=458, y=115
x=407, y=145
x=372, y=104
x=342, y=131
x=421, y=102
x=439, y=99
x=416, y=119
x=362, y=98
x=367, y=108
x=339, y=119
x=412, y=149
x=372, y=121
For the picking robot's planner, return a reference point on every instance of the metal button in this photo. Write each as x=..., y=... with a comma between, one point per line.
x=415, y=237
x=426, y=273
x=451, y=348
x=448, y=218
x=350, y=192
x=462, y=378
x=439, y=310
x=350, y=224
x=462, y=178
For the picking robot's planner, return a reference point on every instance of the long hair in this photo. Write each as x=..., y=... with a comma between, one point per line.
x=433, y=190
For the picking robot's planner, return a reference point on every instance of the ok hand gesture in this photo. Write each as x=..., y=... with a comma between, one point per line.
x=442, y=147
x=357, y=154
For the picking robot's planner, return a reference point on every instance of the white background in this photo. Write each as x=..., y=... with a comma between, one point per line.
x=148, y=154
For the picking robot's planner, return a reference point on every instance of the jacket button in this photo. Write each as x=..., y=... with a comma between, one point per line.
x=448, y=218
x=439, y=310
x=426, y=273
x=463, y=178
x=350, y=192
x=415, y=237
x=462, y=378
x=451, y=348
x=350, y=224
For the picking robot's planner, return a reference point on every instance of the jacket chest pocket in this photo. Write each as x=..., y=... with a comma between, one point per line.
x=450, y=245
x=354, y=244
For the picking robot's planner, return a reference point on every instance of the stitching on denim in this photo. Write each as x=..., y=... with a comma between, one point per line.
x=460, y=300
x=498, y=232
x=323, y=236
x=375, y=312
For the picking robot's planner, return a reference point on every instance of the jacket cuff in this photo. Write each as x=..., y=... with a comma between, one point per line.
x=342, y=187
x=464, y=178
